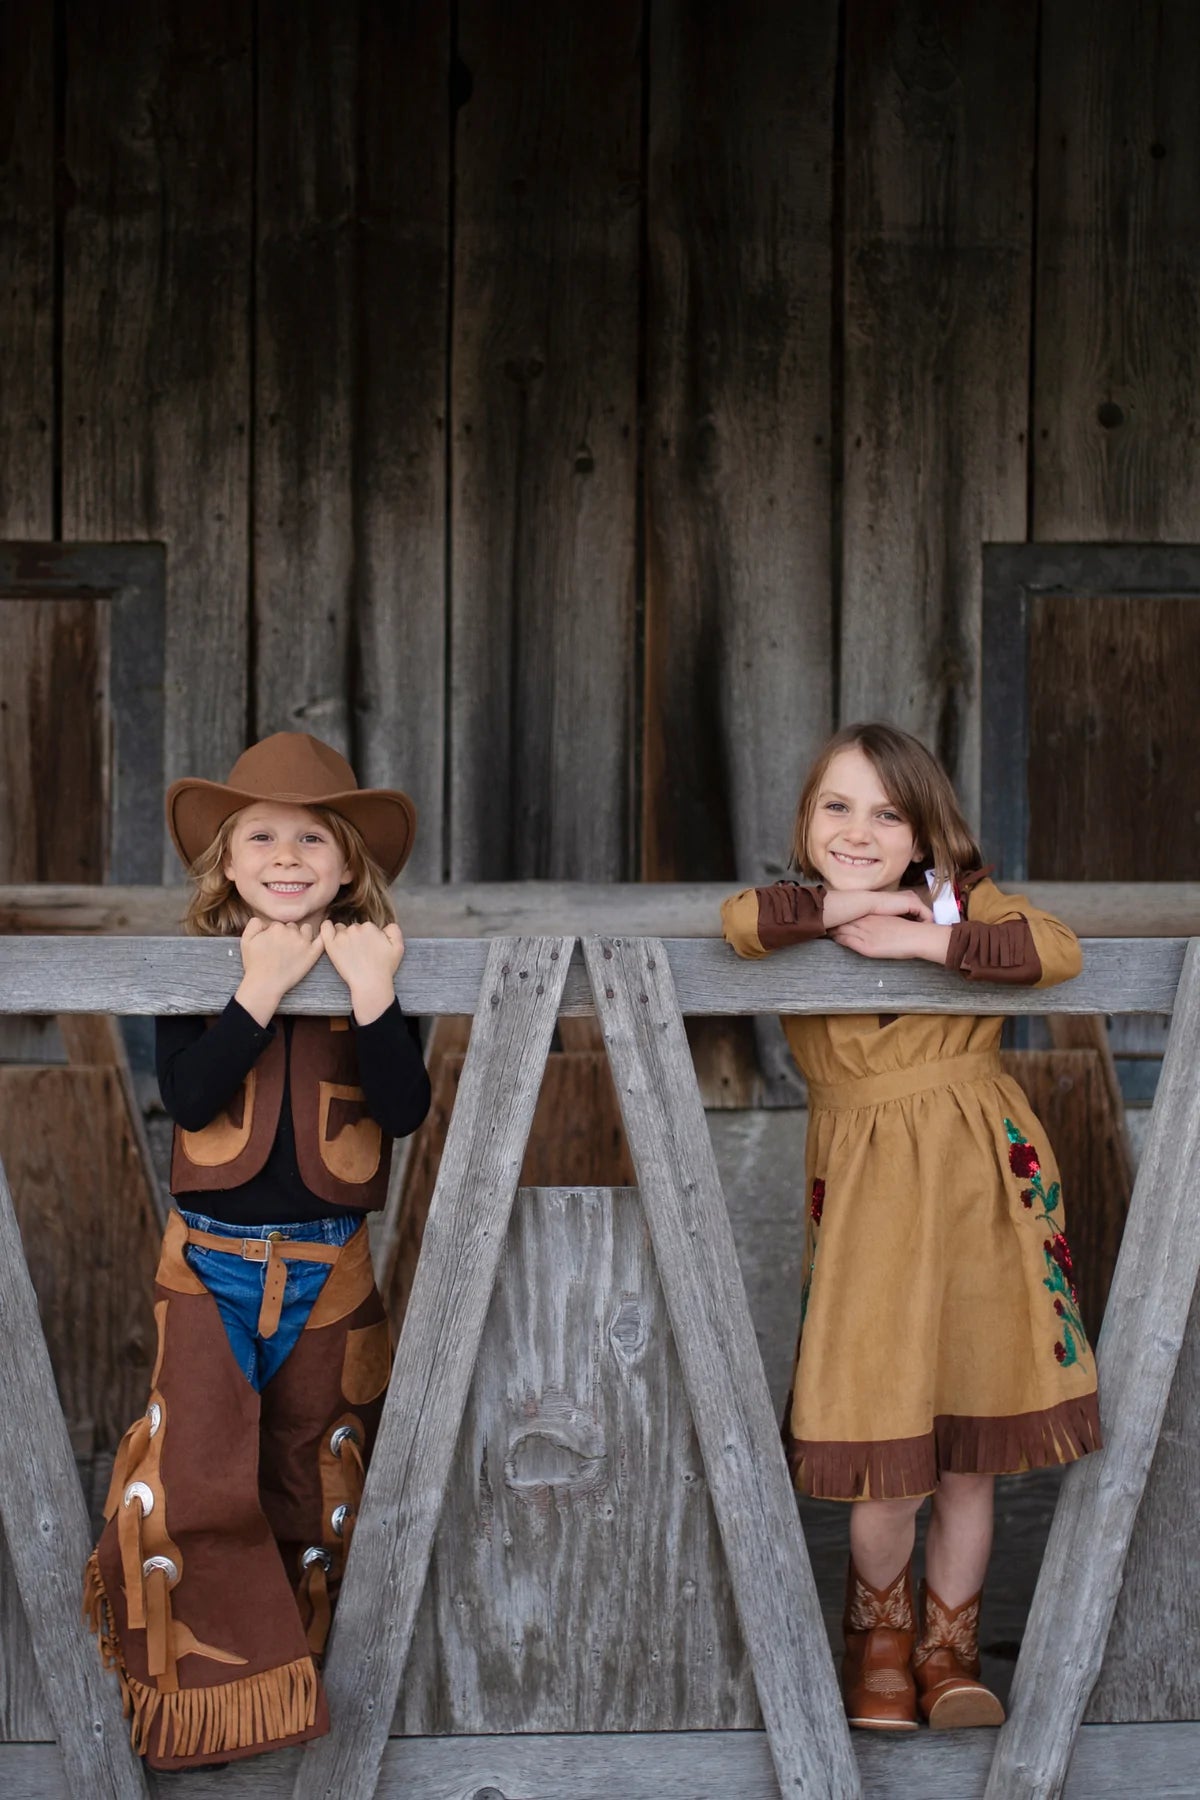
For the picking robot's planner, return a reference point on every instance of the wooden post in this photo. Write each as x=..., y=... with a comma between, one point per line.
x=46, y=1527
x=722, y=1370
x=464, y=1236
x=1139, y=1346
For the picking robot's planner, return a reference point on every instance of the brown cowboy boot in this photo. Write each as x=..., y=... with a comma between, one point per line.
x=946, y=1665
x=879, y=1629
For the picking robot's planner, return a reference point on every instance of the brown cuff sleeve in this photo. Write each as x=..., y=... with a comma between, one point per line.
x=789, y=914
x=1003, y=953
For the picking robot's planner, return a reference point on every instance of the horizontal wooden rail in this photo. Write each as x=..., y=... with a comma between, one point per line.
x=197, y=975
x=635, y=908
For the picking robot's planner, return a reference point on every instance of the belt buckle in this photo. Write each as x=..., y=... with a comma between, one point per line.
x=255, y=1249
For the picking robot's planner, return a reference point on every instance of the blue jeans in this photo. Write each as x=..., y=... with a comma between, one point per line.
x=237, y=1287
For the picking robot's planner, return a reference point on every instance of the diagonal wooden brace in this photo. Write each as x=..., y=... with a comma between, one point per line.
x=46, y=1525
x=1139, y=1346
x=464, y=1237
x=722, y=1371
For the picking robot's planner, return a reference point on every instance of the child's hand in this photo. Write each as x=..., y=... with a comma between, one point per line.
x=366, y=958
x=840, y=907
x=275, y=957
x=899, y=938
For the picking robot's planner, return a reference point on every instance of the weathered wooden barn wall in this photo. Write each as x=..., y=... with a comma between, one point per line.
x=575, y=411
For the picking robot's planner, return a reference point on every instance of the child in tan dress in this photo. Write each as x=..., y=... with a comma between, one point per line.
x=941, y=1341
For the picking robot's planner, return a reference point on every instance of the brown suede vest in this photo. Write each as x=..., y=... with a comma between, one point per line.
x=343, y=1155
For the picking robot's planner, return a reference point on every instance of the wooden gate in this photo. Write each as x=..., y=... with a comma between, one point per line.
x=639, y=988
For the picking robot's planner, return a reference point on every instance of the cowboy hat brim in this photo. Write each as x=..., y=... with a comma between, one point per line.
x=385, y=818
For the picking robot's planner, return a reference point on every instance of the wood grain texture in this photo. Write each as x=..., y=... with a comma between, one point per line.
x=305, y=359
x=1118, y=274
x=577, y=1581
x=1139, y=1346
x=27, y=269
x=46, y=1526
x=544, y=419
x=722, y=1371
x=737, y=462
x=54, y=740
x=1105, y=741
x=152, y=975
x=72, y=1159
x=940, y=123
x=400, y=348
x=1110, y=1763
x=406, y=1483
x=1150, y=1667
x=155, y=324
x=475, y=909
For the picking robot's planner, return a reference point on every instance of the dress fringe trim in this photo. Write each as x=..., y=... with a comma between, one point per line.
x=253, y=1711
x=900, y=1468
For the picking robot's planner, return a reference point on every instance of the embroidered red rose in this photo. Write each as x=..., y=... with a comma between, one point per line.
x=818, y=1200
x=1058, y=1307
x=1060, y=1250
x=1060, y=1352
x=1023, y=1160
x=1027, y=1196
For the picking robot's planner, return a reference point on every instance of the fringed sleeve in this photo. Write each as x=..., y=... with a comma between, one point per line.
x=759, y=920
x=1005, y=939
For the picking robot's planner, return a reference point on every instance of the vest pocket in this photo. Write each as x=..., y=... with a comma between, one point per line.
x=349, y=1140
x=367, y=1363
x=227, y=1136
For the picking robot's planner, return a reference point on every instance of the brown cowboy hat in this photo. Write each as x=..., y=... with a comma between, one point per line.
x=294, y=767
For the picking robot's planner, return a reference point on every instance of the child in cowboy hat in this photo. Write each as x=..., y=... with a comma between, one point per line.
x=233, y=1498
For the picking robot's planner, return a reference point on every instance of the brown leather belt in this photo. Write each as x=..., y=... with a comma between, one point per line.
x=274, y=1250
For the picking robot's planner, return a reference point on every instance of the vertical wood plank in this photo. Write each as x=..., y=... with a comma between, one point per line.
x=46, y=1525
x=737, y=460
x=27, y=268
x=1116, y=414
x=722, y=1370
x=400, y=348
x=64, y=1134
x=938, y=234
x=303, y=401
x=544, y=402
x=1144, y=1326
x=577, y=1581
x=156, y=333
x=464, y=1238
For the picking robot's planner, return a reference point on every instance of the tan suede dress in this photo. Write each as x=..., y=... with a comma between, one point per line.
x=940, y=1327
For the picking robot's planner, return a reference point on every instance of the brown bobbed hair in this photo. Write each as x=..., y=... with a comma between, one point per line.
x=216, y=909
x=917, y=786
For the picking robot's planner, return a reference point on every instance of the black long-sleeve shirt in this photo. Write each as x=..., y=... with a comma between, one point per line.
x=201, y=1066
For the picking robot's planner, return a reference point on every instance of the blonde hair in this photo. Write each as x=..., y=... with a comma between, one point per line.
x=917, y=786
x=216, y=909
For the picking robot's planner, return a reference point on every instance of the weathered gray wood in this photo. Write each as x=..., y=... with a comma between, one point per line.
x=577, y=1580
x=722, y=1371
x=1111, y=1762
x=400, y=347
x=1118, y=275
x=940, y=121
x=155, y=333
x=1151, y=1661
x=652, y=908
x=27, y=269
x=45, y=1523
x=165, y=975
x=544, y=370
x=1139, y=1345
x=304, y=371
x=463, y=1241
x=737, y=459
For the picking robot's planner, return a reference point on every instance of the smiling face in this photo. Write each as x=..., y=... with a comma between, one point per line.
x=285, y=863
x=857, y=840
